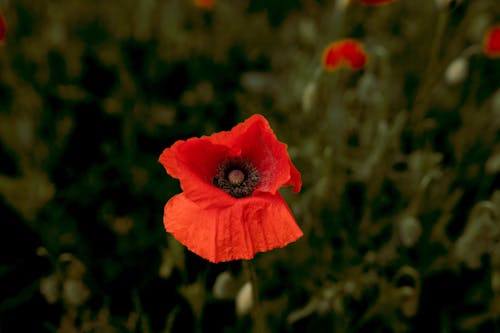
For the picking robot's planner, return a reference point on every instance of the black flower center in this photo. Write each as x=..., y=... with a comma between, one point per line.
x=237, y=177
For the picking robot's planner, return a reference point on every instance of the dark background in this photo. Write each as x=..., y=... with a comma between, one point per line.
x=400, y=205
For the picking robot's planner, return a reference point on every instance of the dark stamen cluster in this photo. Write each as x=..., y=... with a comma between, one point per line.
x=237, y=177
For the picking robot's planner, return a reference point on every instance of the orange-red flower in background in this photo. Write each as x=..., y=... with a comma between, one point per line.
x=346, y=52
x=3, y=28
x=375, y=2
x=230, y=207
x=207, y=4
x=491, y=43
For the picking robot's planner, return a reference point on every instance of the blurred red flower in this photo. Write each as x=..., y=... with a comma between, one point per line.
x=491, y=43
x=230, y=207
x=3, y=28
x=374, y=2
x=207, y=4
x=346, y=52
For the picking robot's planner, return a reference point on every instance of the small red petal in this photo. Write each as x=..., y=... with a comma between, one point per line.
x=295, y=179
x=256, y=142
x=188, y=224
x=332, y=58
x=194, y=162
x=354, y=54
x=254, y=224
x=491, y=43
x=348, y=52
x=375, y=2
x=207, y=4
x=3, y=28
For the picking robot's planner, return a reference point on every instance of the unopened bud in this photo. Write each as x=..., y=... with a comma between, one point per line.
x=244, y=299
x=492, y=165
x=49, y=288
x=409, y=230
x=409, y=300
x=74, y=292
x=224, y=286
x=41, y=251
x=308, y=96
x=457, y=71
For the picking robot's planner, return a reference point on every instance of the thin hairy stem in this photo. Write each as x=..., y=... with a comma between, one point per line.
x=259, y=322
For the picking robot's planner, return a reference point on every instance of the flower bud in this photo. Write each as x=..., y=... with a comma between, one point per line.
x=409, y=300
x=244, y=299
x=308, y=96
x=49, y=288
x=457, y=71
x=466, y=252
x=42, y=251
x=74, y=292
x=224, y=286
x=409, y=230
x=407, y=292
x=492, y=165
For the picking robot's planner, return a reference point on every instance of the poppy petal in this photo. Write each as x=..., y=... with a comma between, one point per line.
x=254, y=224
x=3, y=28
x=348, y=52
x=332, y=59
x=194, y=162
x=206, y=4
x=257, y=143
x=491, y=43
x=295, y=179
x=190, y=225
x=353, y=53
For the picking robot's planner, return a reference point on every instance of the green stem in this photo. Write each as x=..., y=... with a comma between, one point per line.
x=423, y=96
x=257, y=314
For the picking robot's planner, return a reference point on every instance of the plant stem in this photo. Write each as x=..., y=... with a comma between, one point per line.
x=259, y=323
x=423, y=96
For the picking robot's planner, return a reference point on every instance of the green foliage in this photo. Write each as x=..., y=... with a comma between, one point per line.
x=400, y=206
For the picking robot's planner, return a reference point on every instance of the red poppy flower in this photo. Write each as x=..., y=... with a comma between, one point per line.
x=207, y=4
x=491, y=43
x=3, y=28
x=230, y=207
x=347, y=52
x=375, y=2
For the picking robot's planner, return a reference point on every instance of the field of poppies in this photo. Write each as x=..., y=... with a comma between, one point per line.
x=381, y=213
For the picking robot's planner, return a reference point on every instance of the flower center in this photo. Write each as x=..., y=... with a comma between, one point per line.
x=237, y=177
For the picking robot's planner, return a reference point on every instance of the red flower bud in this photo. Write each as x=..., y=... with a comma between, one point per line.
x=3, y=28
x=347, y=52
x=491, y=42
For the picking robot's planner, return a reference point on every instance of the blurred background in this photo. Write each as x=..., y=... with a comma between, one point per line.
x=400, y=161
